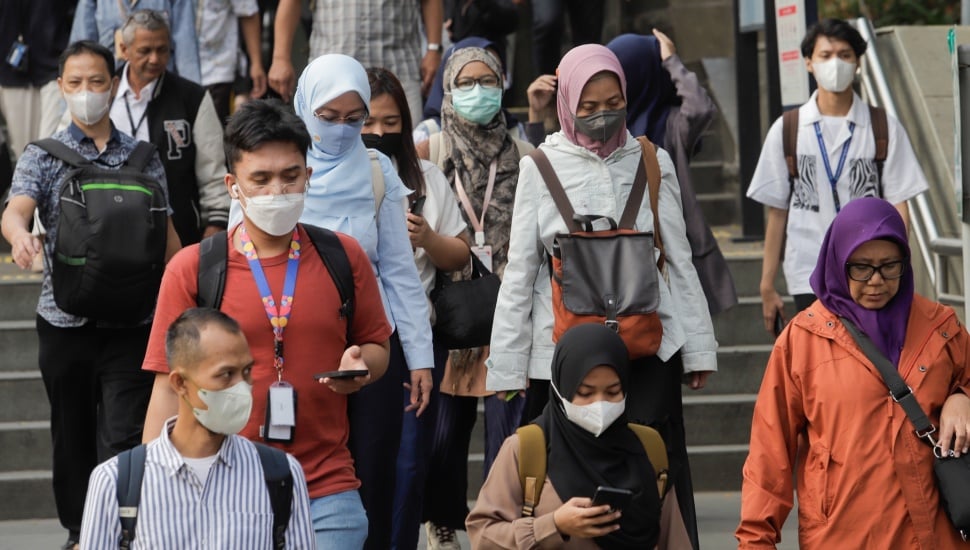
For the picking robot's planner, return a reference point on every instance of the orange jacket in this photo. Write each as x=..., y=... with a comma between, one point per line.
x=825, y=417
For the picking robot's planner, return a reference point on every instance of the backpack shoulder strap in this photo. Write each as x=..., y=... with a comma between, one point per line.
x=61, y=151
x=141, y=156
x=377, y=180
x=880, y=133
x=131, y=470
x=279, y=484
x=532, y=466
x=555, y=188
x=654, y=177
x=213, y=256
x=335, y=259
x=656, y=452
x=789, y=143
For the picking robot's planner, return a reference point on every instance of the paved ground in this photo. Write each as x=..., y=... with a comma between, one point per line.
x=717, y=513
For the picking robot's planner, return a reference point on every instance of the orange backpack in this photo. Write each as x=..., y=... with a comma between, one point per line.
x=603, y=275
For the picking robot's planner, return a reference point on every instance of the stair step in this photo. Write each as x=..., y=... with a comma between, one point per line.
x=742, y=325
x=739, y=371
x=719, y=208
x=28, y=494
x=718, y=419
x=18, y=345
x=22, y=397
x=18, y=294
x=716, y=467
x=26, y=445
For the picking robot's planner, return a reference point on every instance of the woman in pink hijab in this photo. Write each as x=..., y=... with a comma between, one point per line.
x=596, y=160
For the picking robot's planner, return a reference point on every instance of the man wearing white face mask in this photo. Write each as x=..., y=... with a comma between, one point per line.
x=835, y=160
x=96, y=391
x=203, y=486
x=271, y=259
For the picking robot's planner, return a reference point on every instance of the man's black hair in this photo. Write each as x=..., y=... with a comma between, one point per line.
x=86, y=46
x=184, y=334
x=833, y=28
x=259, y=122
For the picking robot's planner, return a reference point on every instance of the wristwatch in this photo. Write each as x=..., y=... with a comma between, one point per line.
x=433, y=47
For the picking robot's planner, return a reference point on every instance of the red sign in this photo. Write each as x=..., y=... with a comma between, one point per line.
x=790, y=55
x=787, y=10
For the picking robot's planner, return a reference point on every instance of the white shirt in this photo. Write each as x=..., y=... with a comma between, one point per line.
x=130, y=113
x=812, y=208
x=229, y=508
x=521, y=343
x=218, y=31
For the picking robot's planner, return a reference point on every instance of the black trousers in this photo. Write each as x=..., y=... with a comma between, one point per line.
x=548, y=23
x=221, y=99
x=98, y=397
x=376, y=417
x=802, y=301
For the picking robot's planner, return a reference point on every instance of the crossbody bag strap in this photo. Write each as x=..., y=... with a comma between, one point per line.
x=555, y=189
x=648, y=154
x=898, y=389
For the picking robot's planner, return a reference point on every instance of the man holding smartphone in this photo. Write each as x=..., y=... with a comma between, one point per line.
x=272, y=260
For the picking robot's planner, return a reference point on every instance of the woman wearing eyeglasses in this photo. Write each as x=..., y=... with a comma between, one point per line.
x=864, y=479
x=480, y=159
x=333, y=99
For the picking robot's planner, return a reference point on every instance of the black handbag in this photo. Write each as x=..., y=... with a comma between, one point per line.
x=952, y=474
x=464, y=309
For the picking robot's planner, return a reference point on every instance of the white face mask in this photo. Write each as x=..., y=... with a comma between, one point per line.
x=275, y=214
x=595, y=417
x=228, y=409
x=89, y=107
x=834, y=75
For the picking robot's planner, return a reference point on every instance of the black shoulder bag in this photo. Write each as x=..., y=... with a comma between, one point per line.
x=952, y=474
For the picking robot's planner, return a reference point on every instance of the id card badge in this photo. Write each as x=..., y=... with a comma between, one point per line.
x=484, y=255
x=17, y=56
x=280, y=413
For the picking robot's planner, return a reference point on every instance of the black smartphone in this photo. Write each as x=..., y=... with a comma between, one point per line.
x=618, y=499
x=417, y=205
x=779, y=323
x=341, y=374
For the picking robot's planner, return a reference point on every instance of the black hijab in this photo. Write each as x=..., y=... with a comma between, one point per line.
x=578, y=461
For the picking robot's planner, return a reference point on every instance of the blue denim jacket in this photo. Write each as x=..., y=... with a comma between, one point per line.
x=98, y=21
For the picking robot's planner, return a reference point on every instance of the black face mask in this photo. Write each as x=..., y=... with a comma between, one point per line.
x=389, y=144
x=602, y=125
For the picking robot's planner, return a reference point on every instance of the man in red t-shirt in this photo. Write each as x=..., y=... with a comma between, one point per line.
x=274, y=272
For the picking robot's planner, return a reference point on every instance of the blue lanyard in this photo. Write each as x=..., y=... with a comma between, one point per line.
x=278, y=316
x=834, y=178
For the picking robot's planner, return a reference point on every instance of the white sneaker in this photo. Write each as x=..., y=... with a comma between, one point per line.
x=441, y=537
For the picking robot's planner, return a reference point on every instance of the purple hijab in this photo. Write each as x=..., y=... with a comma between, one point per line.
x=650, y=90
x=864, y=220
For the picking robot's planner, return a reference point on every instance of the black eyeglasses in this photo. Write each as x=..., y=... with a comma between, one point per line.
x=144, y=16
x=466, y=84
x=888, y=271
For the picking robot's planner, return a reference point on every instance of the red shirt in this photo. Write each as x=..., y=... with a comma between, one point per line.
x=313, y=340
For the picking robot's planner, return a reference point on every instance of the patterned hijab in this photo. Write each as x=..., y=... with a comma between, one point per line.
x=472, y=147
x=577, y=67
x=860, y=221
x=651, y=91
x=578, y=461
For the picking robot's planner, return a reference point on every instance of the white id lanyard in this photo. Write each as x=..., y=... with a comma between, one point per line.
x=480, y=249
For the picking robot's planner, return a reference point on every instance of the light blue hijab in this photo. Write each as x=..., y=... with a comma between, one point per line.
x=340, y=186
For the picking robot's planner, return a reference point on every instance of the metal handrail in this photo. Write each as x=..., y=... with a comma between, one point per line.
x=934, y=249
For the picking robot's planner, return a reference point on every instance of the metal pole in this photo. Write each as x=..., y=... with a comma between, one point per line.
x=771, y=60
x=965, y=12
x=749, y=125
x=963, y=58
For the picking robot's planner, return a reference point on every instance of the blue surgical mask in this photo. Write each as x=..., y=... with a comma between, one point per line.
x=478, y=105
x=334, y=138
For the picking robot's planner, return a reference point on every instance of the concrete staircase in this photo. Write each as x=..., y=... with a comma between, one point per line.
x=25, y=443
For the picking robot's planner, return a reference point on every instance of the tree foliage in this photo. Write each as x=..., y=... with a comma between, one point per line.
x=894, y=12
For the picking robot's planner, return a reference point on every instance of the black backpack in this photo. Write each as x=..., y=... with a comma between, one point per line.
x=212, y=269
x=276, y=471
x=109, y=254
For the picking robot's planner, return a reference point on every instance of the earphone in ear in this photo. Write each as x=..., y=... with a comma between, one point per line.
x=235, y=191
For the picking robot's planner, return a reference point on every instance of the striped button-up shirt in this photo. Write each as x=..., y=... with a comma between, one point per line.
x=228, y=509
x=378, y=33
